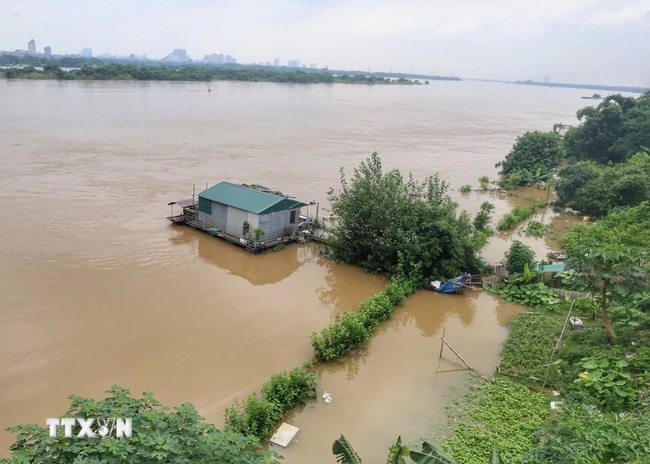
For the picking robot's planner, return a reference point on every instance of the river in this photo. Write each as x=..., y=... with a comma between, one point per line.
x=97, y=288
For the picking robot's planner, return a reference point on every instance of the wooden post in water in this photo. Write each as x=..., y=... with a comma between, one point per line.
x=444, y=342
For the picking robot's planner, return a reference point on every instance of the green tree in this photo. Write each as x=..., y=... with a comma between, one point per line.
x=533, y=157
x=160, y=435
x=611, y=257
x=483, y=217
x=573, y=178
x=613, y=131
x=597, y=190
x=390, y=224
x=518, y=257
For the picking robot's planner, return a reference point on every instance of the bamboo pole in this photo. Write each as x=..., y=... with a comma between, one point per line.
x=459, y=356
x=441, y=344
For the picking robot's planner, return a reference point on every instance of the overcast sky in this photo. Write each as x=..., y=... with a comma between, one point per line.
x=578, y=41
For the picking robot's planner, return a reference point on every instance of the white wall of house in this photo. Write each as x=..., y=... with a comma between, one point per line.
x=231, y=220
x=236, y=218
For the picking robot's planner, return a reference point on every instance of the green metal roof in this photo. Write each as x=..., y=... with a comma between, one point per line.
x=249, y=199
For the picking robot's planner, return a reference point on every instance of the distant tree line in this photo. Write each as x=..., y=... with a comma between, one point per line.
x=39, y=68
x=611, y=88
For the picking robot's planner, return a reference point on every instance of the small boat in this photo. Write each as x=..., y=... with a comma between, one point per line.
x=595, y=96
x=457, y=285
x=557, y=255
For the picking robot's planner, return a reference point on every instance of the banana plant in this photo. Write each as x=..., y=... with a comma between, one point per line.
x=398, y=453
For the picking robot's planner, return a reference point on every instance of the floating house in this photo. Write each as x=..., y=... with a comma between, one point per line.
x=250, y=215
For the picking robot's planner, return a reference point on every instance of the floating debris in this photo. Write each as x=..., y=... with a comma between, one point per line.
x=576, y=322
x=327, y=396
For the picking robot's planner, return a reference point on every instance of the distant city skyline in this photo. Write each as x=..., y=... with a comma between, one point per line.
x=573, y=41
x=178, y=55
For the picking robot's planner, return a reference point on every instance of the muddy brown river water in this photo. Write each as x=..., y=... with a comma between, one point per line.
x=97, y=288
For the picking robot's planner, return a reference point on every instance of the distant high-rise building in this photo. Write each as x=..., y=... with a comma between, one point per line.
x=293, y=63
x=87, y=52
x=312, y=65
x=47, y=51
x=218, y=59
x=179, y=55
x=276, y=63
x=31, y=47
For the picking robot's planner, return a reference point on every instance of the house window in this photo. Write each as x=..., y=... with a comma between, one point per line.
x=292, y=216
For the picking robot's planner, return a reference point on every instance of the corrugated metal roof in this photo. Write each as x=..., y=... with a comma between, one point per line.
x=553, y=267
x=248, y=199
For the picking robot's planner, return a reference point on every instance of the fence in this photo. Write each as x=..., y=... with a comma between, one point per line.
x=499, y=273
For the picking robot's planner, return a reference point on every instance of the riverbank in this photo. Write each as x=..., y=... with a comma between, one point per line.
x=203, y=73
x=561, y=390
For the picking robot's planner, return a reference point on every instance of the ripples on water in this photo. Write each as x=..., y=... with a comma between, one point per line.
x=88, y=259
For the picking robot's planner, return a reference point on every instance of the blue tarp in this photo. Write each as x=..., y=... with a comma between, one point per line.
x=456, y=285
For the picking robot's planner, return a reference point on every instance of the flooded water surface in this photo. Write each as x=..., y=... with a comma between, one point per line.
x=97, y=288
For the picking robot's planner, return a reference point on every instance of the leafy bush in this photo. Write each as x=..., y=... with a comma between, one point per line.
x=483, y=217
x=287, y=390
x=256, y=416
x=377, y=309
x=610, y=384
x=347, y=332
x=518, y=257
x=535, y=295
x=353, y=329
x=581, y=434
x=465, y=188
x=160, y=434
x=538, y=229
x=518, y=214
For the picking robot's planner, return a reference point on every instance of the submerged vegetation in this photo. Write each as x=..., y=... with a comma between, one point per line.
x=518, y=215
x=258, y=415
x=498, y=411
x=353, y=329
x=533, y=159
x=400, y=226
